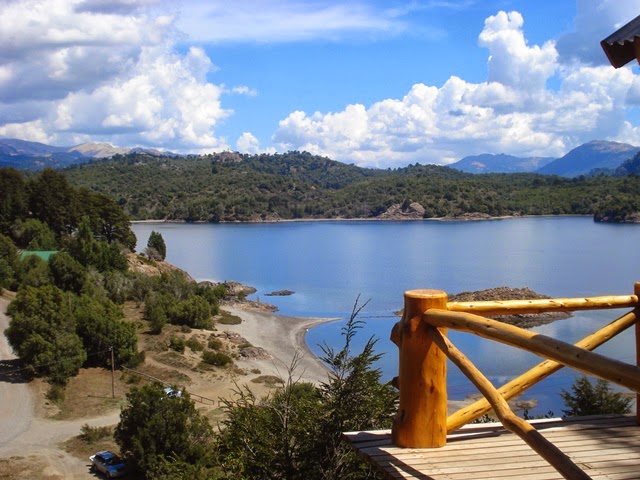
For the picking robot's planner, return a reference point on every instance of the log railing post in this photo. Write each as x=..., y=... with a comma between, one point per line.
x=421, y=421
x=636, y=291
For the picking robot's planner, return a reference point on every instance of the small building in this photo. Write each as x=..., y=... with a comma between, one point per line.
x=43, y=254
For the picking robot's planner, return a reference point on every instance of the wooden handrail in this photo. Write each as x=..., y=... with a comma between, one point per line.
x=547, y=450
x=541, y=371
x=516, y=307
x=583, y=360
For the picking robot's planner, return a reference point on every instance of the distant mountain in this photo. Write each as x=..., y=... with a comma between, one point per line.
x=25, y=155
x=99, y=150
x=501, y=163
x=598, y=154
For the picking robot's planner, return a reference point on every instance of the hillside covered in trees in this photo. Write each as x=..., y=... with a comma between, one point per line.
x=297, y=185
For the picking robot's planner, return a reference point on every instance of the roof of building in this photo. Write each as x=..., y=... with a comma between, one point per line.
x=623, y=45
x=43, y=254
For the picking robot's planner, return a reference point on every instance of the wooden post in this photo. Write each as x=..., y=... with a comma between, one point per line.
x=113, y=374
x=636, y=290
x=421, y=421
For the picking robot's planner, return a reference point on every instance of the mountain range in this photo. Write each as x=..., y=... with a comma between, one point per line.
x=594, y=156
x=25, y=155
x=597, y=155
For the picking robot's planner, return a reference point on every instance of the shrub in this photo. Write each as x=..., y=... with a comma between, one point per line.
x=217, y=359
x=194, y=345
x=227, y=319
x=56, y=393
x=177, y=344
x=214, y=343
x=91, y=435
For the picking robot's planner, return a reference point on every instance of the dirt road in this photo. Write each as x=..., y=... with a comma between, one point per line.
x=25, y=436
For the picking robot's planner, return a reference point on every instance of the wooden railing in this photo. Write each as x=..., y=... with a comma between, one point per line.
x=421, y=336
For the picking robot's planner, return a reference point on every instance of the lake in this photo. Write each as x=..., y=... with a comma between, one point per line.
x=328, y=264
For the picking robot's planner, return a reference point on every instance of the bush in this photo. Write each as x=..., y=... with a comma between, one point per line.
x=227, y=319
x=194, y=345
x=56, y=393
x=217, y=359
x=214, y=344
x=177, y=344
x=92, y=435
x=588, y=399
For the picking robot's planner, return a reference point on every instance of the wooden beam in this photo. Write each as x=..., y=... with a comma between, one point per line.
x=547, y=450
x=587, y=362
x=541, y=371
x=514, y=307
x=421, y=421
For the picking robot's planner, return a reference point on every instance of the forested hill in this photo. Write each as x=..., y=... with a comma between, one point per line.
x=235, y=187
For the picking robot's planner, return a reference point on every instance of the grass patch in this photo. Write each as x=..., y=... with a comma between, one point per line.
x=90, y=394
x=214, y=344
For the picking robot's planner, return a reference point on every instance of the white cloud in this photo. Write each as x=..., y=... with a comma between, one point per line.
x=247, y=143
x=244, y=90
x=283, y=21
x=512, y=112
x=104, y=70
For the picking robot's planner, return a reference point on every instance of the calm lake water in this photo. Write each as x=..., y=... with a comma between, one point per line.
x=328, y=264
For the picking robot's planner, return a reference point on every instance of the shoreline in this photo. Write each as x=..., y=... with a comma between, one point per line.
x=283, y=337
x=374, y=219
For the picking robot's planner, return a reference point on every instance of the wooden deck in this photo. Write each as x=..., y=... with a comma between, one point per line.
x=604, y=447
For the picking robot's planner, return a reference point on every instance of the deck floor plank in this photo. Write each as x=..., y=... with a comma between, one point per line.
x=605, y=447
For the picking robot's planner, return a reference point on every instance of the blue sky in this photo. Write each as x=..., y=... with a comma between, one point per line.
x=376, y=83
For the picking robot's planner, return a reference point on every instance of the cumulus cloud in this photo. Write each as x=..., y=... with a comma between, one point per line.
x=77, y=70
x=514, y=111
x=247, y=143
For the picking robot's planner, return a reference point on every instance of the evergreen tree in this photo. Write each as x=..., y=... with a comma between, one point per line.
x=156, y=246
x=586, y=398
x=155, y=426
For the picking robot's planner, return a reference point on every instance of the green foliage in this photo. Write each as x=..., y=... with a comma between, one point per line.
x=155, y=313
x=56, y=393
x=13, y=198
x=53, y=201
x=177, y=343
x=227, y=319
x=156, y=246
x=295, y=432
x=194, y=345
x=217, y=359
x=89, y=251
x=300, y=185
x=42, y=333
x=33, y=272
x=586, y=398
x=155, y=425
x=9, y=263
x=91, y=435
x=67, y=273
x=32, y=234
x=100, y=325
x=214, y=344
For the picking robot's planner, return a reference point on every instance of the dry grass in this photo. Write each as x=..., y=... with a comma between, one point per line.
x=30, y=467
x=85, y=395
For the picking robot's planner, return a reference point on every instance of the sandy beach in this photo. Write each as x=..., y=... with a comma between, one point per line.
x=283, y=338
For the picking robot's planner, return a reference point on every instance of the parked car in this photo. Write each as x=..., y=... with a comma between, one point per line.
x=172, y=392
x=109, y=464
